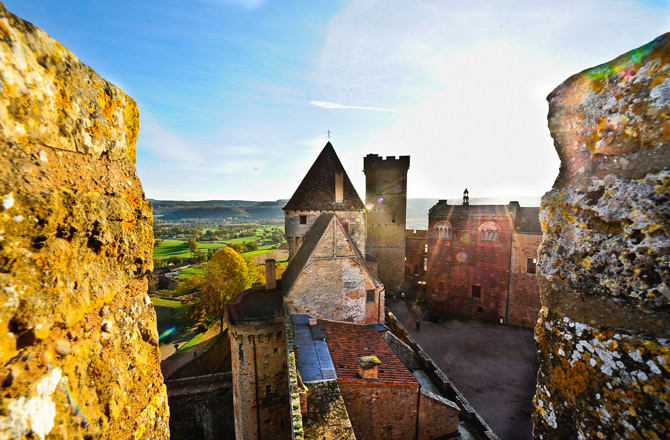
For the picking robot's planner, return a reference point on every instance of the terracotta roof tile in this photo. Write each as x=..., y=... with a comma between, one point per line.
x=316, y=192
x=347, y=342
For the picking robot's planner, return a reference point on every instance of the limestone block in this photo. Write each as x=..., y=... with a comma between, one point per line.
x=79, y=351
x=603, y=266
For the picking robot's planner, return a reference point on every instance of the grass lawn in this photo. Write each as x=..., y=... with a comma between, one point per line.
x=178, y=248
x=165, y=302
x=190, y=272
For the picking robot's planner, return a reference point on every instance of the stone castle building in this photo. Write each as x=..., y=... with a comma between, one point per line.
x=478, y=261
x=317, y=340
x=386, y=200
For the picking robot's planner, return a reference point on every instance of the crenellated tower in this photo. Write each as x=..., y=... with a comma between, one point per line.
x=386, y=200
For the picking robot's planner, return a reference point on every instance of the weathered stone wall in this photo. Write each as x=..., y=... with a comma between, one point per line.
x=78, y=343
x=524, y=296
x=334, y=284
x=458, y=263
x=353, y=221
x=603, y=263
x=386, y=195
x=437, y=416
x=381, y=411
x=260, y=379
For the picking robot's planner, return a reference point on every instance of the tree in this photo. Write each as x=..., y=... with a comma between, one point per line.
x=226, y=275
x=189, y=285
x=237, y=247
x=251, y=246
x=192, y=244
x=157, y=242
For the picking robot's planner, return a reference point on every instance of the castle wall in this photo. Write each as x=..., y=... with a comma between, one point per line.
x=459, y=264
x=603, y=272
x=381, y=411
x=386, y=194
x=79, y=353
x=432, y=408
x=259, y=361
x=524, y=298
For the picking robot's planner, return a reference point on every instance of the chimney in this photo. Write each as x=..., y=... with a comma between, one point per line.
x=339, y=187
x=270, y=275
x=367, y=367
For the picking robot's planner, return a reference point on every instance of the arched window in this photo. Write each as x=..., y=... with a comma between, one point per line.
x=443, y=230
x=489, y=231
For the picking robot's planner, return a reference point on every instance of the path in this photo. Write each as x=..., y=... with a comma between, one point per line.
x=494, y=366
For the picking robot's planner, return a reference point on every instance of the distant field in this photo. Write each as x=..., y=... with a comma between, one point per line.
x=190, y=272
x=178, y=248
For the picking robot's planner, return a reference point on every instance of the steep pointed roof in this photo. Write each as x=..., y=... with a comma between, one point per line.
x=316, y=192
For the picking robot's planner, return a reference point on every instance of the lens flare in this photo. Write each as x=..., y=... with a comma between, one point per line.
x=167, y=333
x=380, y=200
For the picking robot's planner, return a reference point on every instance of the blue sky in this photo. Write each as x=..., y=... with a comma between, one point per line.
x=236, y=96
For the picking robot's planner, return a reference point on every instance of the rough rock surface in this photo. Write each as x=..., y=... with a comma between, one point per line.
x=79, y=351
x=603, y=265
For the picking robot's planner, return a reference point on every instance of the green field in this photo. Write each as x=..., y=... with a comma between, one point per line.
x=190, y=272
x=178, y=248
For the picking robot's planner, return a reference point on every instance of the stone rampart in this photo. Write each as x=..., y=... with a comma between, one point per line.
x=79, y=351
x=603, y=265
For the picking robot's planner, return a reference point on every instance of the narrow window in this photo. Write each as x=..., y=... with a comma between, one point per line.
x=268, y=389
x=416, y=270
x=393, y=218
x=476, y=291
x=260, y=338
x=425, y=264
x=370, y=296
x=425, y=248
x=530, y=265
x=303, y=219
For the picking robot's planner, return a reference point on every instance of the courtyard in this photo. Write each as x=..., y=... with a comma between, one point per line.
x=494, y=366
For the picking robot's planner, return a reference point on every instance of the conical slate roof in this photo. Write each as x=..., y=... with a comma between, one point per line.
x=316, y=192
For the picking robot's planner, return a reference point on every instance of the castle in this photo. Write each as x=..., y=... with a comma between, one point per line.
x=323, y=323
x=478, y=261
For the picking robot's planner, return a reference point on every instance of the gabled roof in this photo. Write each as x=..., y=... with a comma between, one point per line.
x=316, y=192
x=347, y=342
x=309, y=244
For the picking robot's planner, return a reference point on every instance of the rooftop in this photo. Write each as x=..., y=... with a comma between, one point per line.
x=347, y=342
x=316, y=192
x=255, y=304
x=314, y=361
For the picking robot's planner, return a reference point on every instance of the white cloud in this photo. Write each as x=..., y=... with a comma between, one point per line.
x=471, y=78
x=335, y=106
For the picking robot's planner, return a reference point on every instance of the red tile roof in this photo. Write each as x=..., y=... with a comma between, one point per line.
x=347, y=342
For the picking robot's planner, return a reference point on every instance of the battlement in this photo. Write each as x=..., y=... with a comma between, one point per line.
x=375, y=161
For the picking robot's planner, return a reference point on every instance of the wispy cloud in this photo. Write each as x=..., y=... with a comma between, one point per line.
x=334, y=105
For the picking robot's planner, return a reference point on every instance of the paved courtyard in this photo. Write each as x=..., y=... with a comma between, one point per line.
x=494, y=366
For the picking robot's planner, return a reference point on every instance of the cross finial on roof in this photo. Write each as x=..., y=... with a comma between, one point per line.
x=329, y=134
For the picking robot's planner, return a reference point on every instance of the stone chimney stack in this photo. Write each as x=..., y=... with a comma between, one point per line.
x=368, y=367
x=339, y=187
x=270, y=275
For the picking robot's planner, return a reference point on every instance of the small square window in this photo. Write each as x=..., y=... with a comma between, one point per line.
x=530, y=265
x=476, y=291
x=480, y=309
x=303, y=219
x=276, y=350
x=370, y=296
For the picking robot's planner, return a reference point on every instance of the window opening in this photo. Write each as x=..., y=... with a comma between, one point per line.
x=476, y=291
x=370, y=296
x=268, y=389
x=530, y=265
x=303, y=219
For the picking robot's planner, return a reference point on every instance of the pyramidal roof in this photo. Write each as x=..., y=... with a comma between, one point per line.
x=316, y=192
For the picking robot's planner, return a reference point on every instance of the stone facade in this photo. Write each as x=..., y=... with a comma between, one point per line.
x=524, y=295
x=79, y=351
x=298, y=223
x=386, y=201
x=477, y=260
x=603, y=263
x=328, y=278
x=257, y=328
x=469, y=252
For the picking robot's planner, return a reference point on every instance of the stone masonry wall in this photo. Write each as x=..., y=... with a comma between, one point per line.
x=603, y=263
x=79, y=351
x=524, y=297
